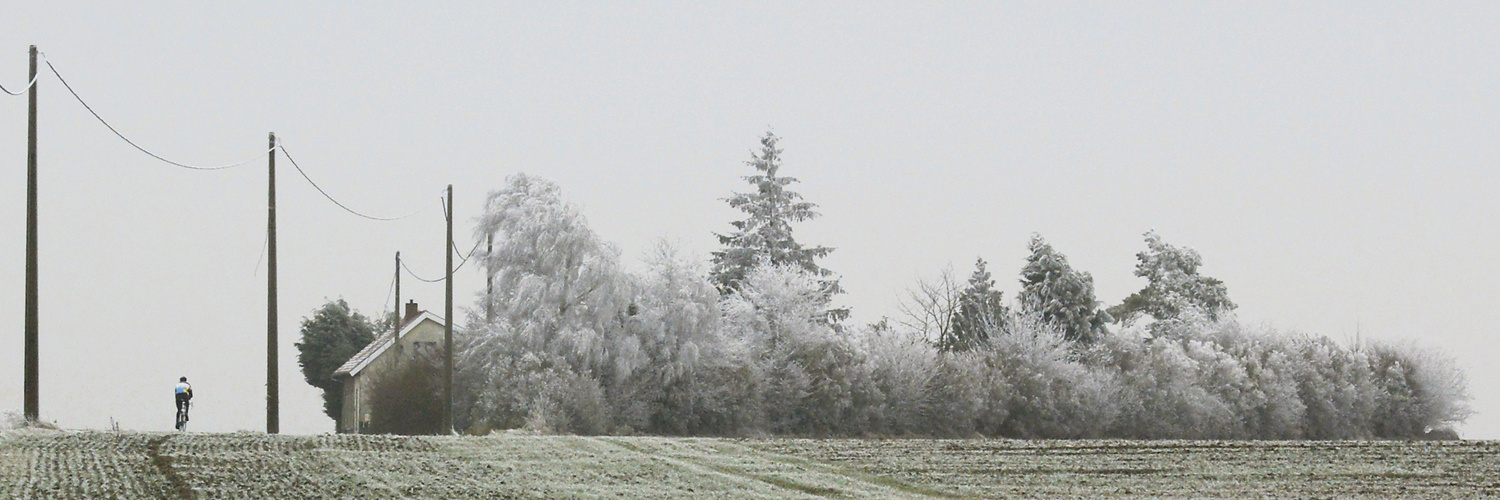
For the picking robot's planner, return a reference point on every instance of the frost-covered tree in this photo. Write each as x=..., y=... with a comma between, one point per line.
x=1033, y=385
x=901, y=365
x=561, y=304
x=1168, y=395
x=979, y=313
x=673, y=353
x=807, y=369
x=1174, y=285
x=1219, y=380
x=579, y=346
x=333, y=334
x=1060, y=295
x=765, y=235
x=555, y=282
x=1422, y=390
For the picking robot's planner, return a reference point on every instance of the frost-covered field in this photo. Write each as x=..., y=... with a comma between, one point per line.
x=1197, y=469
x=39, y=464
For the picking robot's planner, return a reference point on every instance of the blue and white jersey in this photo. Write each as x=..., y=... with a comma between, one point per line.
x=183, y=387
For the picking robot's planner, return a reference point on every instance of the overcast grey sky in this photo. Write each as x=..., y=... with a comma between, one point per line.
x=1334, y=164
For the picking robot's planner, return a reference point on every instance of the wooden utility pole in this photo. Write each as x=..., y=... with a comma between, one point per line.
x=273, y=400
x=448, y=325
x=489, y=282
x=30, y=405
x=396, y=327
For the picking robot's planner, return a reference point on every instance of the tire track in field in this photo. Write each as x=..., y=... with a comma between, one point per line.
x=727, y=471
x=163, y=465
x=854, y=473
x=874, y=483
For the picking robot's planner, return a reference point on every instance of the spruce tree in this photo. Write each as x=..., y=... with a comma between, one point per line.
x=1051, y=289
x=980, y=312
x=765, y=235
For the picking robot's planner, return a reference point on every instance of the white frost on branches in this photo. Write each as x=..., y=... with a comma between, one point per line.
x=578, y=345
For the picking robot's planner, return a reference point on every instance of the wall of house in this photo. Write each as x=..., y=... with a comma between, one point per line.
x=426, y=336
x=349, y=420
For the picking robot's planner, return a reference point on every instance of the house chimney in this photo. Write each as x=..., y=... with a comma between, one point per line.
x=411, y=311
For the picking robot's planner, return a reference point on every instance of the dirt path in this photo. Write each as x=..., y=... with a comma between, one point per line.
x=163, y=465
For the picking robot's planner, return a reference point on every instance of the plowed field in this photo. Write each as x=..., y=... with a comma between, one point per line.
x=49, y=464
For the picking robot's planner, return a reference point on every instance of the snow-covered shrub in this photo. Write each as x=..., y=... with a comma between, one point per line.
x=1419, y=389
x=958, y=395
x=515, y=386
x=407, y=398
x=673, y=357
x=723, y=397
x=1202, y=378
x=578, y=345
x=809, y=370
x=1265, y=398
x=1167, y=393
x=899, y=368
x=1052, y=393
x=14, y=420
x=1336, y=386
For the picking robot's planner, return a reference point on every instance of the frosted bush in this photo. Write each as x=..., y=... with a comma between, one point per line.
x=958, y=395
x=536, y=390
x=808, y=369
x=1168, y=393
x=1266, y=398
x=1420, y=390
x=578, y=345
x=1052, y=393
x=668, y=344
x=1202, y=378
x=14, y=420
x=899, y=368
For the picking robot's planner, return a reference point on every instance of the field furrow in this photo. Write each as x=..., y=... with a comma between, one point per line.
x=66, y=465
x=1224, y=469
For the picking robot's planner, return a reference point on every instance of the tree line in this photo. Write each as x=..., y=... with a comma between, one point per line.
x=748, y=343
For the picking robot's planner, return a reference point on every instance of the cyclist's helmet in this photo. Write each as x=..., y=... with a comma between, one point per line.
x=183, y=379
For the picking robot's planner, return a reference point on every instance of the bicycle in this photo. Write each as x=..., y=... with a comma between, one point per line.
x=182, y=415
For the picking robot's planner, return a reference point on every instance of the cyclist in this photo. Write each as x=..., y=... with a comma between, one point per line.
x=184, y=392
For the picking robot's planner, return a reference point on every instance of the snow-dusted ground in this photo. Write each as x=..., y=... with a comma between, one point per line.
x=51, y=464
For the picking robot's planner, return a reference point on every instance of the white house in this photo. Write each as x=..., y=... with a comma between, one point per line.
x=420, y=331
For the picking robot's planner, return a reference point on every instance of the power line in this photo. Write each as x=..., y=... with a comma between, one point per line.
x=455, y=269
x=419, y=278
x=464, y=259
x=330, y=197
x=265, y=241
x=28, y=86
x=388, y=294
x=274, y=147
x=132, y=143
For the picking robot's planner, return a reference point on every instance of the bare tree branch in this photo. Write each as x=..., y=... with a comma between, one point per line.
x=928, y=307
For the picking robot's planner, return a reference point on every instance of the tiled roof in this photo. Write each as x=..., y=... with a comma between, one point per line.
x=364, y=354
x=361, y=358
